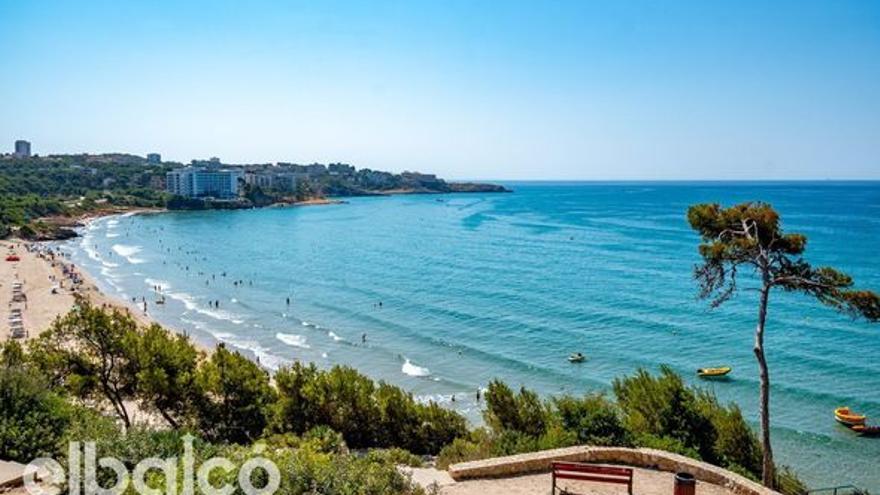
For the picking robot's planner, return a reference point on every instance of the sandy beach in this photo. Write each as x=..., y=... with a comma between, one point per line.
x=46, y=294
x=49, y=283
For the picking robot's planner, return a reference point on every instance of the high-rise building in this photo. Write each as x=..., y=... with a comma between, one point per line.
x=154, y=158
x=194, y=182
x=22, y=148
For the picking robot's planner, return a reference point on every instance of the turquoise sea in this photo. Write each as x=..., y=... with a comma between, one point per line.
x=451, y=291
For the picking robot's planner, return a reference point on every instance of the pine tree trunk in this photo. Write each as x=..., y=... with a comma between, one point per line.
x=768, y=475
x=171, y=422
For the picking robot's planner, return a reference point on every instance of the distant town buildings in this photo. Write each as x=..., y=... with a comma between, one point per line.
x=213, y=162
x=274, y=179
x=340, y=169
x=22, y=148
x=198, y=182
x=154, y=158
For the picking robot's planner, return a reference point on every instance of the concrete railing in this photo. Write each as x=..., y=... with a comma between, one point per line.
x=536, y=462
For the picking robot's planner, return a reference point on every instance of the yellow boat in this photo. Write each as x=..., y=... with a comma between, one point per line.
x=714, y=372
x=845, y=416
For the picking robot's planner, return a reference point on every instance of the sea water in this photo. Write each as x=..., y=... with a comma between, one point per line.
x=442, y=293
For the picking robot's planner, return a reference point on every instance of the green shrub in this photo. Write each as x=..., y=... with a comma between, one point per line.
x=594, y=419
x=237, y=397
x=365, y=414
x=669, y=444
x=477, y=445
x=664, y=407
x=736, y=444
x=788, y=483
x=326, y=440
x=32, y=418
x=395, y=456
x=523, y=412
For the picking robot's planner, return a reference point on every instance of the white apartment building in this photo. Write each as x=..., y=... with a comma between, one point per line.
x=192, y=182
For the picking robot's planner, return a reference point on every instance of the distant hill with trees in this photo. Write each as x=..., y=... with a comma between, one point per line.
x=42, y=196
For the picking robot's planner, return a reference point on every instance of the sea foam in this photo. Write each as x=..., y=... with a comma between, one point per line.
x=129, y=252
x=293, y=340
x=413, y=370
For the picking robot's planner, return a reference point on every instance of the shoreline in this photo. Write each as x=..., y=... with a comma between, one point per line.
x=50, y=283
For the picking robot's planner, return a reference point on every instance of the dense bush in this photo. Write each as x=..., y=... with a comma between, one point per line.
x=366, y=414
x=100, y=355
x=237, y=397
x=32, y=418
x=664, y=407
x=523, y=412
x=594, y=419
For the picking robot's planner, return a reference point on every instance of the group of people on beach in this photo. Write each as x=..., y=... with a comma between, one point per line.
x=56, y=259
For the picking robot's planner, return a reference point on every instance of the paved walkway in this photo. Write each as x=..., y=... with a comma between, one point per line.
x=645, y=482
x=10, y=474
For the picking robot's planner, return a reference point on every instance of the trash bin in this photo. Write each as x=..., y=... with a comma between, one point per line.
x=685, y=484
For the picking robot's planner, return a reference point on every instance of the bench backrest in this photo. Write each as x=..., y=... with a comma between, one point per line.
x=590, y=472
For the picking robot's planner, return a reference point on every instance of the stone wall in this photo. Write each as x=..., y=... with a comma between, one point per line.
x=535, y=462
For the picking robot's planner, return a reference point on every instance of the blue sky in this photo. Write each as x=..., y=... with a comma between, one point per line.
x=467, y=89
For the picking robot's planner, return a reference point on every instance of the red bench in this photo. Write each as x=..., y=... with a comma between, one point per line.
x=591, y=472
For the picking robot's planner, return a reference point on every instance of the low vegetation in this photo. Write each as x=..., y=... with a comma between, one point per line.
x=82, y=379
x=655, y=411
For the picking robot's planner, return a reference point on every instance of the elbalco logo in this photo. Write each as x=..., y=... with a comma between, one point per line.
x=46, y=476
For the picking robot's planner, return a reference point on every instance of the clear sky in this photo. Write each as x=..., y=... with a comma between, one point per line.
x=467, y=89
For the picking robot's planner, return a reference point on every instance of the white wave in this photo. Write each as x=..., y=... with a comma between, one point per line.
x=335, y=337
x=218, y=314
x=109, y=264
x=413, y=370
x=118, y=288
x=265, y=358
x=111, y=235
x=293, y=340
x=234, y=300
x=108, y=273
x=324, y=355
x=86, y=245
x=128, y=252
x=196, y=323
